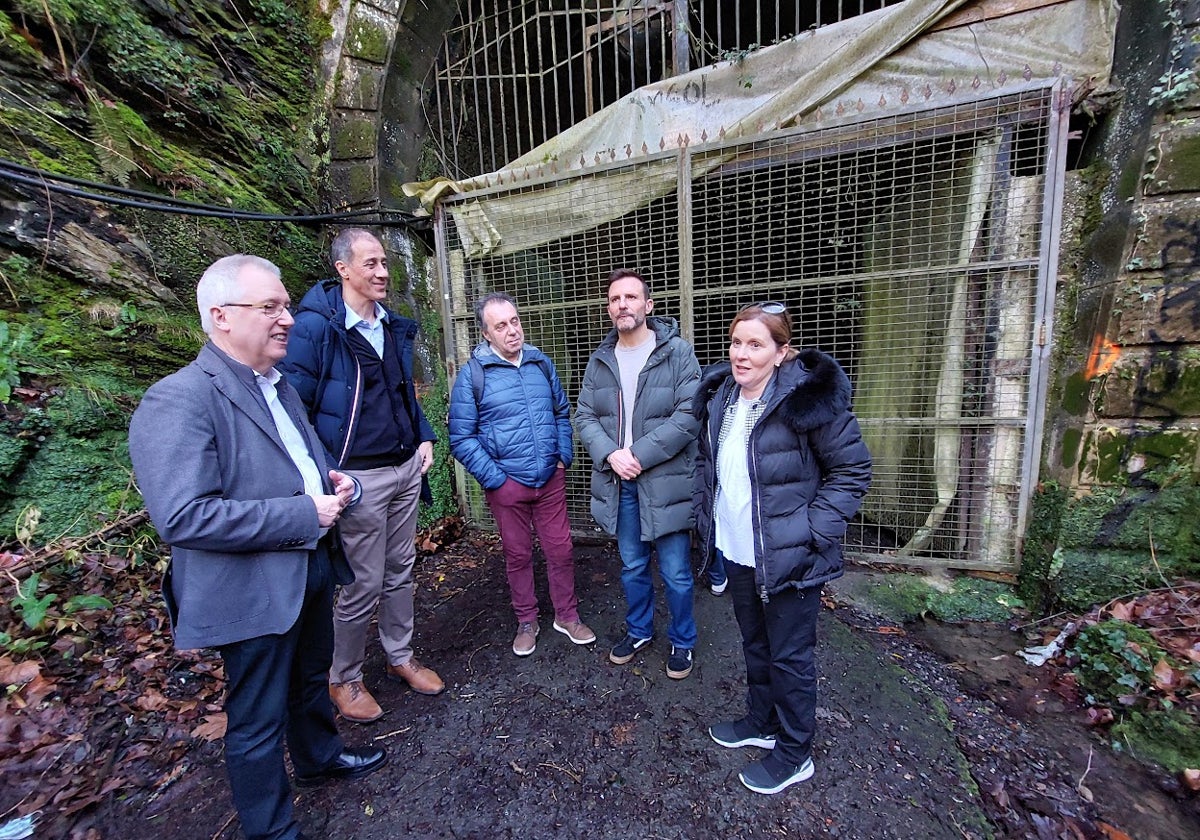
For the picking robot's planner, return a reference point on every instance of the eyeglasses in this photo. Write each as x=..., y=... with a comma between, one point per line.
x=272, y=309
x=770, y=307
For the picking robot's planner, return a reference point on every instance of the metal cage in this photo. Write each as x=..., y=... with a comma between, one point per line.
x=917, y=248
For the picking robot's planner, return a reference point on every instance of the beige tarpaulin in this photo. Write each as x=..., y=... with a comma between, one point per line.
x=935, y=51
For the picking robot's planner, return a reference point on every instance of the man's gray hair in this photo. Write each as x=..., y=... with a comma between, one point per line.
x=221, y=283
x=486, y=301
x=342, y=248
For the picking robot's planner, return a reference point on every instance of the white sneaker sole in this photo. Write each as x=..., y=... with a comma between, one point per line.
x=567, y=633
x=753, y=741
x=803, y=774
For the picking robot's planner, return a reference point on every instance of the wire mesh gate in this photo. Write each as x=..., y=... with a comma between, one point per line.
x=917, y=248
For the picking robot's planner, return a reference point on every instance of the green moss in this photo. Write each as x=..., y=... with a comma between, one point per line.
x=1070, y=450
x=1170, y=738
x=972, y=599
x=14, y=44
x=1158, y=449
x=1075, y=395
x=1179, y=169
x=900, y=597
x=1093, y=576
x=1034, y=581
x=435, y=402
x=76, y=483
x=366, y=38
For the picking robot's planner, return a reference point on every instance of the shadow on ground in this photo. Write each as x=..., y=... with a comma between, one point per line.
x=565, y=744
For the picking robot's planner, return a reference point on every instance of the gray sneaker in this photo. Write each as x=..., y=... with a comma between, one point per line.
x=741, y=733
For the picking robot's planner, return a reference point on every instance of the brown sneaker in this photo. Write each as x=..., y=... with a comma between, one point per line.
x=526, y=641
x=420, y=679
x=354, y=701
x=576, y=631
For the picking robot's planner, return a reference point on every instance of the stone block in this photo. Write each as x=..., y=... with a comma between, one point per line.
x=352, y=135
x=1177, y=168
x=354, y=183
x=392, y=7
x=1153, y=310
x=1160, y=384
x=359, y=85
x=1168, y=236
x=1109, y=455
x=369, y=34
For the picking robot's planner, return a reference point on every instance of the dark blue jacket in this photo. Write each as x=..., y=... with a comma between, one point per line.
x=322, y=367
x=809, y=469
x=521, y=428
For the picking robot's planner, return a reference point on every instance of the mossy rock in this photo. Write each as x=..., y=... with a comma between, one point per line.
x=76, y=484
x=974, y=599
x=904, y=597
x=1092, y=576
x=900, y=597
x=1168, y=737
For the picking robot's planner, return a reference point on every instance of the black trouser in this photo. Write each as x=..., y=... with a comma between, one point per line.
x=779, y=640
x=278, y=684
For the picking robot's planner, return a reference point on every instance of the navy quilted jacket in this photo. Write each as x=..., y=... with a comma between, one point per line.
x=321, y=365
x=809, y=469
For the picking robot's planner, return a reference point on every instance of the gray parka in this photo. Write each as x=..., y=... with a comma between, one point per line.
x=664, y=430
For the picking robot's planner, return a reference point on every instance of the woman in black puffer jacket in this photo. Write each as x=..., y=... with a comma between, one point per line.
x=781, y=469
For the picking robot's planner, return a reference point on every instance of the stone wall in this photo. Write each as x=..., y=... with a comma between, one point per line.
x=382, y=53
x=1129, y=316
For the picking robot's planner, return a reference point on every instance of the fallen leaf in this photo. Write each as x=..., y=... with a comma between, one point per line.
x=1122, y=610
x=1112, y=832
x=212, y=727
x=18, y=673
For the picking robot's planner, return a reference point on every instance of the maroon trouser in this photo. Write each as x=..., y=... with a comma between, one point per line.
x=518, y=510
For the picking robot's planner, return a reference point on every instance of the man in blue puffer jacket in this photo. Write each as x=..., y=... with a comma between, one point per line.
x=351, y=359
x=512, y=432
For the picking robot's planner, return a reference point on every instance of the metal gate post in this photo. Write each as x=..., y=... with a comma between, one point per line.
x=687, y=290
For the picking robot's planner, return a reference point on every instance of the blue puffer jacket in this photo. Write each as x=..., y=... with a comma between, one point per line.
x=321, y=365
x=809, y=469
x=521, y=428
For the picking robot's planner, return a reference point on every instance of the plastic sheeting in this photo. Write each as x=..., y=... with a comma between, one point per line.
x=921, y=52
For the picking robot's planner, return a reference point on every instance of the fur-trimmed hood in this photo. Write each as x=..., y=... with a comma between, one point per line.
x=813, y=389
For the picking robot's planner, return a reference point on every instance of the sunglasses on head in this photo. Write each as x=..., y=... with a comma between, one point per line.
x=770, y=307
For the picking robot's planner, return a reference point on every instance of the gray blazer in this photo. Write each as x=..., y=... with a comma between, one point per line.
x=223, y=492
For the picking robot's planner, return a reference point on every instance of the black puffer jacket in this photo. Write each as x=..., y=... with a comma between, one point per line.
x=809, y=469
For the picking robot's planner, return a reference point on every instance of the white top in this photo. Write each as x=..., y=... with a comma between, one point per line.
x=630, y=361
x=732, y=515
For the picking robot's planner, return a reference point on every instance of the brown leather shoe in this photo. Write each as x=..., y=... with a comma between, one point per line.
x=354, y=701
x=420, y=679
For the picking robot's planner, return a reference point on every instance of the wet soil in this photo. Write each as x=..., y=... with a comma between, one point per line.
x=934, y=733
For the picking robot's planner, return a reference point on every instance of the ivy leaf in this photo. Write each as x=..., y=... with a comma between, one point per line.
x=80, y=603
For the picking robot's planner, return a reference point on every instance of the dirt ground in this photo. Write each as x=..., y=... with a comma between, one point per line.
x=565, y=744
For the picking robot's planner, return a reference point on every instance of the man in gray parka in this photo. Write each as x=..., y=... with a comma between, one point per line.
x=635, y=418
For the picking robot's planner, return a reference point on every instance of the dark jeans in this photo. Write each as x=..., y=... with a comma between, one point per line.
x=779, y=641
x=278, y=684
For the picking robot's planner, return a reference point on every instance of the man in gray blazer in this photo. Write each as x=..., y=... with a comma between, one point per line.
x=237, y=482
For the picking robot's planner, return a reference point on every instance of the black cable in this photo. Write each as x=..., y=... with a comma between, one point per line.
x=165, y=204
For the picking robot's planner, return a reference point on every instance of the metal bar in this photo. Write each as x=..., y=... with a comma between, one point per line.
x=1053, y=168
x=530, y=119
x=681, y=61
x=445, y=110
x=558, y=120
x=486, y=155
x=687, y=290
